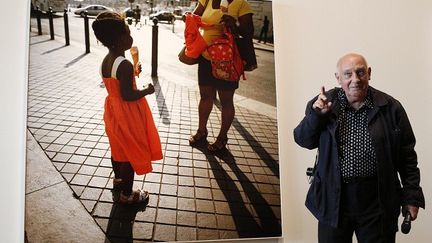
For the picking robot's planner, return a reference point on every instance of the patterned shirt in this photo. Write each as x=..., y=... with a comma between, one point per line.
x=356, y=153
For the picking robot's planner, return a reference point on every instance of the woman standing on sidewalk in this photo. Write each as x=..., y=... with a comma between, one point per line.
x=129, y=124
x=212, y=13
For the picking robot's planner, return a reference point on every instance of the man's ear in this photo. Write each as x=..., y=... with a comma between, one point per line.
x=337, y=77
x=369, y=72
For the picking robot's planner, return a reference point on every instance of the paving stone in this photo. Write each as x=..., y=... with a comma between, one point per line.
x=185, y=181
x=91, y=193
x=103, y=209
x=186, y=218
x=206, y=220
x=98, y=181
x=87, y=170
x=186, y=233
x=169, y=179
x=225, y=222
x=103, y=171
x=207, y=234
x=187, y=204
x=164, y=232
x=71, y=168
x=149, y=215
x=166, y=216
x=167, y=202
x=169, y=189
x=82, y=180
x=203, y=193
x=143, y=231
x=205, y=206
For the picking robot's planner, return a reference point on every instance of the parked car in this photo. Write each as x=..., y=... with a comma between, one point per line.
x=163, y=16
x=92, y=10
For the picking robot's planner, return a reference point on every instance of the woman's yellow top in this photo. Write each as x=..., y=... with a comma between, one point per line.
x=213, y=16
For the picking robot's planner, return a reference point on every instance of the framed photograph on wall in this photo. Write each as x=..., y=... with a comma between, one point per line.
x=195, y=193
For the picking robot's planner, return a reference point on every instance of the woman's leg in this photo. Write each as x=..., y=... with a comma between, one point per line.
x=208, y=94
x=228, y=111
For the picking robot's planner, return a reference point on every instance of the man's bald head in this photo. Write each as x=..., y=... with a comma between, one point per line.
x=348, y=57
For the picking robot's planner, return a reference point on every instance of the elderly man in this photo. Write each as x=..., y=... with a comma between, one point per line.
x=364, y=142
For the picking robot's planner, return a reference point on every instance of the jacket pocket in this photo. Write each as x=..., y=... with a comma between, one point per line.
x=315, y=195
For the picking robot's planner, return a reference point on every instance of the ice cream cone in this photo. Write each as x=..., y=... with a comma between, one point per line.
x=135, y=54
x=135, y=57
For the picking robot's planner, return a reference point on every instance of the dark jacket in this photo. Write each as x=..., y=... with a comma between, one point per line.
x=393, y=140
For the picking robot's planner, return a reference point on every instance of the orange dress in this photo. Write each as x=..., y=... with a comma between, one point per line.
x=130, y=128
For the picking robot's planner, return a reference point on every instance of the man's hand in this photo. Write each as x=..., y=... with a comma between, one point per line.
x=413, y=211
x=322, y=105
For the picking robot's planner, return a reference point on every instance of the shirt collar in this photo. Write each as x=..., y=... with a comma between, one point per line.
x=344, y=101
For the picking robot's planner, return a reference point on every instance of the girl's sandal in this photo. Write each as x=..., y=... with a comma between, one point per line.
x=199, y=137
x=218, y=145
x=137, y=196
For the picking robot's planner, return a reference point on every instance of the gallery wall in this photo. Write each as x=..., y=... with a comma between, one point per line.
x=310, y=36
x=13, y=80
x=395, y=36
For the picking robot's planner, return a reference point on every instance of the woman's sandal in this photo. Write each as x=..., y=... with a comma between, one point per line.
x=199, y=137
x=137, y=196
x=218, y=145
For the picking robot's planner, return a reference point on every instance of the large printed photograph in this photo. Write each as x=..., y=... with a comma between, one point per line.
x=127, y=143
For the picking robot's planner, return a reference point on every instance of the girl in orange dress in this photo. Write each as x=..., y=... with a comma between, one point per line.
x=129, y=124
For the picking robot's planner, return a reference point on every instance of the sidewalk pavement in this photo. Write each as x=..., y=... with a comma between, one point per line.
x=194, y=195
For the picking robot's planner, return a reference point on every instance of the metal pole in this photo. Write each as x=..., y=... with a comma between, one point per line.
x=51, y=24
x=154, y=47
x=38, y=18
x=86, y=32
x=173, y=26
x=66, y=26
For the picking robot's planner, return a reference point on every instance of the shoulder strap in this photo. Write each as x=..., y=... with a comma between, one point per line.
x=115, y=66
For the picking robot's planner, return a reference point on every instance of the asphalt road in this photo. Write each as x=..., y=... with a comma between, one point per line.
x=260, y=83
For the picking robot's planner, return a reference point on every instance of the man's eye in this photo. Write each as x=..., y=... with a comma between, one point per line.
x=347, y=75
x=361, y=73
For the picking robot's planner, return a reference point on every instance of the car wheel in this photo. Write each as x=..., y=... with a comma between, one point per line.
x=82, y=14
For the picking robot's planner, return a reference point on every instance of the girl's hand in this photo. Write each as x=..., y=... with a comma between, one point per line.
x=137, y=69
x=149, y=88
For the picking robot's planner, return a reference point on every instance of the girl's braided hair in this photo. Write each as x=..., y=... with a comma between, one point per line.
x=108, y=27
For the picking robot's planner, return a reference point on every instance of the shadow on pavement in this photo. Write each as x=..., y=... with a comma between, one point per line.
x=246, y=225
x=160, y=100
x=271, y=163
x=75, y=60
x=53, y=50
x=39, y=42
x=121, y=220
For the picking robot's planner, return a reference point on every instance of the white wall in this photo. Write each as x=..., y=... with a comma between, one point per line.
x=396, y=37
x=13, y=87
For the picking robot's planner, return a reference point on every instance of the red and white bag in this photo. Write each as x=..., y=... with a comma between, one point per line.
x=226, y=61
